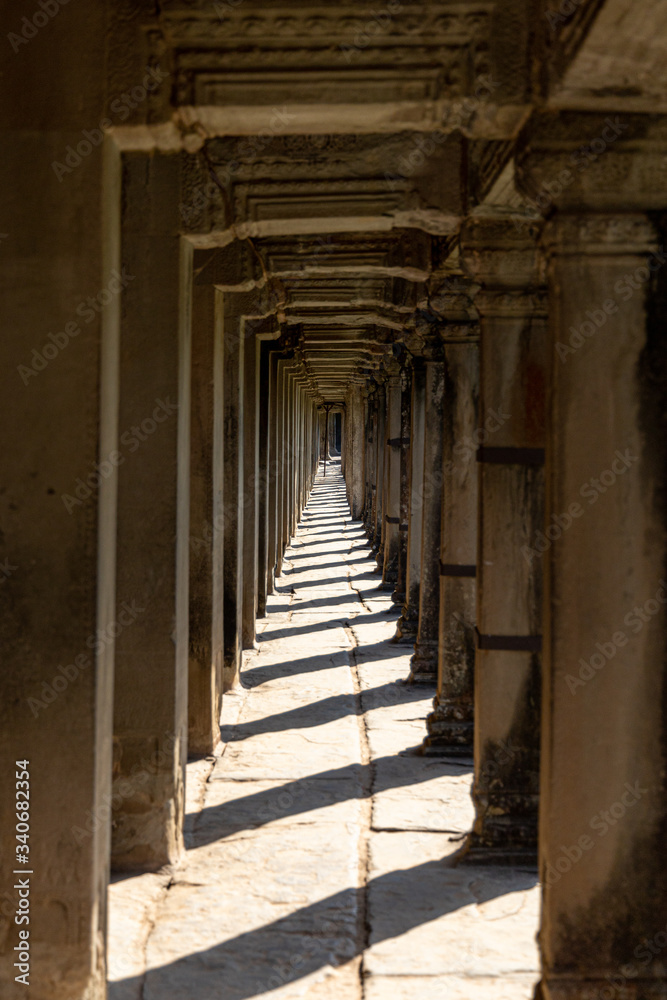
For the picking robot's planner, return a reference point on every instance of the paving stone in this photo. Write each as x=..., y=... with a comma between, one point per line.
x=318, y=763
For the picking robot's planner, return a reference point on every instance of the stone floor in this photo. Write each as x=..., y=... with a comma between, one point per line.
x=321, y=846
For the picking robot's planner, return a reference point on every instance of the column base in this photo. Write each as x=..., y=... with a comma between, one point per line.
x=406, y=626
x=505, y=831
x=389, y=574
x=451, y=730
x=147, y=803
x=398, y=597
x=478, y=855
x=424, y=663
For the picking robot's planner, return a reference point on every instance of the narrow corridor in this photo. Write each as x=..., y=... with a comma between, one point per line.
x=317, y=834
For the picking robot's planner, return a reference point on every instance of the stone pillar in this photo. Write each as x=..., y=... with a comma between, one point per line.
x=280, y=462
x=205, y=639
x=511, y=438
x=151, y=678
x=450, y=725
x=354, y=471
x=370, y=451
x=290, y=455
x=59, y=420
x=380, y=434
x=406, y=627
x=234, y=369
x=263, y=481
x=392, y=480
x=399, y=594
x=252, y=350
x=369, y=464
x=603, y=807
x=424, y=663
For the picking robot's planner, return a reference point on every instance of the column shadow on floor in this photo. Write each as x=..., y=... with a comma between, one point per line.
x=324, y=933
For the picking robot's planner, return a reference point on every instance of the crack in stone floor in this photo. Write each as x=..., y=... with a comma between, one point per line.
x=319, y=843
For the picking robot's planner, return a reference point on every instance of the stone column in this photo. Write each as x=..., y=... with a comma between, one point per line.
x=369, y=463
x=290, y=525
x=281, y=407
x=399, y=594
x=371, y=451
x=406, y=627
x=205, y=640
x=272, y=471
x=450, y=725
x=151, y=677
x=234, y=368
x=392, y=480
x=59, y=421
x=511, y=438
x=251, y=349
x=603, y=809
x=354, y=472
x=380, y=434
x=264, y=452
x=424, y=663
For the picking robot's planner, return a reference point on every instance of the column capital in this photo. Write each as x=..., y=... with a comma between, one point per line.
x=585, y=159
x=500, y=255
x=600, y=233
x=507, y=262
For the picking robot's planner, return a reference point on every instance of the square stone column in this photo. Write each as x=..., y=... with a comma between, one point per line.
x=510, y=456
x=371, y=453
x=251, y=347
x=266, y=393
x=233, y=493
x=604, y=549
x=399, y=594
x=424, y=662
x=354, y=471
x=451, y=724
x=388, y=555
x=151, y=678
x=380, y=434
x=278, y=467
x=603, y=801
x=205, y=640
x=406, y=627
x=60, y=248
